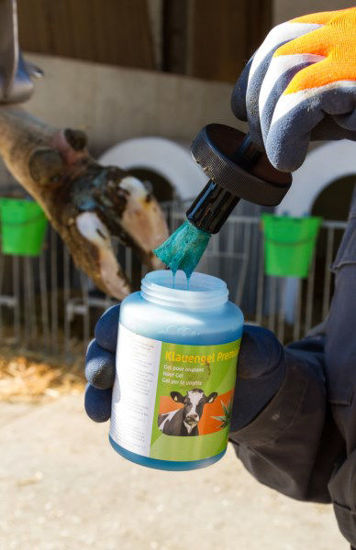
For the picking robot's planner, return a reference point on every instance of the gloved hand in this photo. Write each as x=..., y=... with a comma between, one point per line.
x=301, y=85
x=261, y=369
x=100, y=366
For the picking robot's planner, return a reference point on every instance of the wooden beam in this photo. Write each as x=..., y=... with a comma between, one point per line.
x=105, y=31
x=175, y=36
x=224, y=34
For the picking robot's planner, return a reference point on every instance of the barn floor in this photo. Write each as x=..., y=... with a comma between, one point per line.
x=63, y=487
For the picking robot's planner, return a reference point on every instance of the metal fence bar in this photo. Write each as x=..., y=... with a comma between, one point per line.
x=230, y=238
x=66, y=298
x=215, y=244
x=228, y=256
x=54, y=290
x=243, y=269
x=334, y=224
x=16, y=289
x=26, y=338
x=128, y=261
x=85, y=295
x=44, y=302
x=297, y=319
x=30, y=310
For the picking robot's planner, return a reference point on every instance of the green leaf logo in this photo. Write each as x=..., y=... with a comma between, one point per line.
x=226, y=418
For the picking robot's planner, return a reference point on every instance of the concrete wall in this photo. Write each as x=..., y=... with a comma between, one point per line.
x=112, y=103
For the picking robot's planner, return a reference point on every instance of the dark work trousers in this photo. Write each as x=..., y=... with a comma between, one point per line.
x=303, y=443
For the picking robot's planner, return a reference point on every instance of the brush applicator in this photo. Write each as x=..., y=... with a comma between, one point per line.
x=237, y=170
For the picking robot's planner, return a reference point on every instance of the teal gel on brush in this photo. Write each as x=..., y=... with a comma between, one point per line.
x=175, y=344
x=184, y=248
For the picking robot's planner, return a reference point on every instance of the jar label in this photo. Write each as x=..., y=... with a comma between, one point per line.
x=172, y=401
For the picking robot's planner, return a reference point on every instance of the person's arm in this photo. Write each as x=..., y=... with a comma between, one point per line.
x=299, y=85
x=342, y=488
x=291, y=444
x=312, y=452
x=340, y=353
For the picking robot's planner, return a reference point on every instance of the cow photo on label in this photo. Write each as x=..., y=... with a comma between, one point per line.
x=185, y=420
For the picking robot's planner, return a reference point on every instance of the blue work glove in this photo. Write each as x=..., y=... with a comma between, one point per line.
x=300, y=85
x=100, y=366
x=261, y=369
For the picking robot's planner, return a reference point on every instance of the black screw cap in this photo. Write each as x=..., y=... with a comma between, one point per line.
x=234, y=163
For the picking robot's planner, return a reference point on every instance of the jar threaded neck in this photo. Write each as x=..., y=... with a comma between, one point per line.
x=204, y=291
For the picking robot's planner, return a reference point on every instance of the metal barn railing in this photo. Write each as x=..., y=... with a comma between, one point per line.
x=47, y=305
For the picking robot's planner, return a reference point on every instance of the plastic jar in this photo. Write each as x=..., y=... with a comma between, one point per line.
x=175, y=372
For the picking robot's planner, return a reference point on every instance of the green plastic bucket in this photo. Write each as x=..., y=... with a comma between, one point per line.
x=23, y=227
x=289, y=244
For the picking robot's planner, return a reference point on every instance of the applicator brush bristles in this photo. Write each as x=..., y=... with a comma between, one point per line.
x=184, y=248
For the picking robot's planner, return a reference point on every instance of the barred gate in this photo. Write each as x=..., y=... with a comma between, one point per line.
x=47, y=305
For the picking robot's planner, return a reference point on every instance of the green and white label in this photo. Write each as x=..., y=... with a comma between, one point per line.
x=172, y=401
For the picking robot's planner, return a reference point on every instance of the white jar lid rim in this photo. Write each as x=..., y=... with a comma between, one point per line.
x=201, y=292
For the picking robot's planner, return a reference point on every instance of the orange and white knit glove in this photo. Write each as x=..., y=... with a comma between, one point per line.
x=301, y=85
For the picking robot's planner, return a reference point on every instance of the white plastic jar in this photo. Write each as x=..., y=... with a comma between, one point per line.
x=175, y=372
